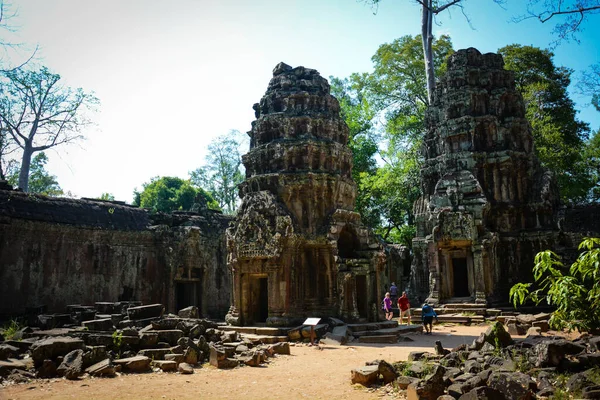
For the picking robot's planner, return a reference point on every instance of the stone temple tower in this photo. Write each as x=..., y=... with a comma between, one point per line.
x=487, y=206
x=297, y=248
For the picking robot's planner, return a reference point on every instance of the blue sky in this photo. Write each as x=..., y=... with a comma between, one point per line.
x=171, y=76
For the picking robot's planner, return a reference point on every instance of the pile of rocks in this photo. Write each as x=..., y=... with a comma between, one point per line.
x=521, y=324
x=495, y=367
x=142, y=340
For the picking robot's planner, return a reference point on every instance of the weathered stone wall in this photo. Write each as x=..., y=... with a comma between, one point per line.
x=56, y=252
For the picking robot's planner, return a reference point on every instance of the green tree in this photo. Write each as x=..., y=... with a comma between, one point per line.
x=575, y=291
x=38, y=113
x=221, y=173
x=107, y=196
x=169, y=194
x=558, y=135
x=40, y=180
x=358, y=115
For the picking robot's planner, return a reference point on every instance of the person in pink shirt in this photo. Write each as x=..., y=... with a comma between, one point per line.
x=387, y=307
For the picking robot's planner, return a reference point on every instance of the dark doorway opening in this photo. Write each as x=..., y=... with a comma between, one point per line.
x=188, y=294
x=260, y=299
x=461, y=277
x=348, y=243
x=361, y=296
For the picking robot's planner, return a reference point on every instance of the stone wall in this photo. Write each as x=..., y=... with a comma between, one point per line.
x=56, y=252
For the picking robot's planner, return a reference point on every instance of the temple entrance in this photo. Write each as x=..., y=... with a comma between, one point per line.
x=188, y=294
x=461, y=277
x=361, y=296
x=348, y=243
x=259, y=298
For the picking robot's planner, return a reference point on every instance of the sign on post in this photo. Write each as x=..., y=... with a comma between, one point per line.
x=312, y=321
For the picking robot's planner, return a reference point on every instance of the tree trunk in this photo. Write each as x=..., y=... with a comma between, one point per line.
x=25, y=164
x=427, y=39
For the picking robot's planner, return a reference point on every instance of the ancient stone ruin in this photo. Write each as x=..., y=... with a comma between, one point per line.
x=297, y=248
x=487, y=205
x=56, y=252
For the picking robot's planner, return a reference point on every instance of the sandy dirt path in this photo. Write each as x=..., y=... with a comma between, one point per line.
x=308, y=373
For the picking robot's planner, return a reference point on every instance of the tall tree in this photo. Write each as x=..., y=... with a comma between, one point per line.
x=559, y=136
x=38, y=113
x=40, y=180
x=221, y=173
x=430, y=9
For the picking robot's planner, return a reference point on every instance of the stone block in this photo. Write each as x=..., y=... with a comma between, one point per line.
x=102, y=368
x=72, y=365
x=185, y=369
x=165, y=365
x=99, y=324
x=134, y=364
x=53, y=347
x=178, y=358
x=145, y=312
x=366, y=376
x=189, y=312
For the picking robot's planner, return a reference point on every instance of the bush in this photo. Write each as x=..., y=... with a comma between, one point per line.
x=575, y=291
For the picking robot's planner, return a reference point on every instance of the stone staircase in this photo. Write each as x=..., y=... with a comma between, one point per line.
x=261, y=334
x=381, y=332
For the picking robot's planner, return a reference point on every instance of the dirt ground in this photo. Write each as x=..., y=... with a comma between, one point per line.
x=309, y=372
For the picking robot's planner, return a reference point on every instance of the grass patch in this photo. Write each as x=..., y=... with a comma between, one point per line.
x=11, y=329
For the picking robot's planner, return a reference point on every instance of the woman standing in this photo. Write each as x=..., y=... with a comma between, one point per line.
x=387, y=306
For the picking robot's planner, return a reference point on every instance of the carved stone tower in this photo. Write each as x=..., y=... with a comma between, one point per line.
x=296, y=248
x=487, y=205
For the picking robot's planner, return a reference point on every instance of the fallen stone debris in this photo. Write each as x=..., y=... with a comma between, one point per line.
x=496, y=367
x=125, y=337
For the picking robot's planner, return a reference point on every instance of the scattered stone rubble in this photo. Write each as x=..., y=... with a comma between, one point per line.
x=126, y=337
x=494, y=366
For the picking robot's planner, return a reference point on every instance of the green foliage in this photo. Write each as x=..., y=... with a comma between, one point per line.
x=107, y=196
x=592, y=156
x=40, y=181
x=169, y=194
x=11, y=329
x=385, y=113
x=574, y=291
x=558, y=135
x=117, y=338
x=358, y=115
x=221, y=173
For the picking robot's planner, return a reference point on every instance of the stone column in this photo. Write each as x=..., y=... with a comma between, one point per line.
x=479, y=278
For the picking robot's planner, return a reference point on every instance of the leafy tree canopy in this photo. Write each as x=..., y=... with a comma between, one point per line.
x=559, y=136
x=169, y=194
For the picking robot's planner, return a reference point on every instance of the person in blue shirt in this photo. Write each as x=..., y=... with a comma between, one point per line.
x=394, y=293
x=427, y=315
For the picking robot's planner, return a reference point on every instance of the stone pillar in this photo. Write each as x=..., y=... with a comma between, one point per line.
x=480, y=295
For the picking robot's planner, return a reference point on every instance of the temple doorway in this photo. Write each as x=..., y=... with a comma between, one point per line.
x=461, y=277
x=188, y=294
x=361, y=296
x=259, y=298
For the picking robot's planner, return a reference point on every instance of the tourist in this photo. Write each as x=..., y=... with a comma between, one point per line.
x=394, y=292
x=387, y=306
x=404, y=306
x=427, y=315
